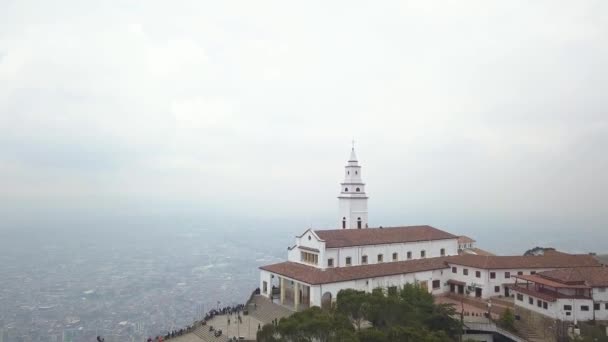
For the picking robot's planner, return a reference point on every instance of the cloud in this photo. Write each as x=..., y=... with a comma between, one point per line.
x=477, y=109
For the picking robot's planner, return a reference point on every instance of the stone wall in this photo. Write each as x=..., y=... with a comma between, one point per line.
x=542, y=326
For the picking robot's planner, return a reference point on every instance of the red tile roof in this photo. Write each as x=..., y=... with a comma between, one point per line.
x=337, y=238
x=456, y=282
x=519, y=262
x=313, y=276
x=590, y=276
x=548, y=282
x=548, y=296
x=475, y=251
x=465, y=239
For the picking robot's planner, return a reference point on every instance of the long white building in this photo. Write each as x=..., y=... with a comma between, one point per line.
x=571, y=294
x=323, y=262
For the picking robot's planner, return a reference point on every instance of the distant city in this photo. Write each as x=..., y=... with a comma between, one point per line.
x=74, y=286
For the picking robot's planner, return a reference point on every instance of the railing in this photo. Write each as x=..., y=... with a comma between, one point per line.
x=489, y=326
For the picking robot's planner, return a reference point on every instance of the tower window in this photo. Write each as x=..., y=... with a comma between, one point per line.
x=345, y=189
x=358, y=189
x=359, y=223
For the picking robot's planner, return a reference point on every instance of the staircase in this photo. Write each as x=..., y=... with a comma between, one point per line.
x=265, y=311
x=206, y=335
x=532, y=334
x=498, y=305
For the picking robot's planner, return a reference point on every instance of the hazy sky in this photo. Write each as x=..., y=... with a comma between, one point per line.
x=464, y=112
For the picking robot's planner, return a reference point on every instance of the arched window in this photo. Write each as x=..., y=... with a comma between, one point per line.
x=358, y=223
x=343, y=222
x=345, y=189
x=358, y=189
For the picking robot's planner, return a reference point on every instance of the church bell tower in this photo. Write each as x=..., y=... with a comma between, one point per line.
x=352, y=199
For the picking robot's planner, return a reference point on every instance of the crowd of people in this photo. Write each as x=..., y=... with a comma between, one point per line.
x=227, y=310
x=236, y=310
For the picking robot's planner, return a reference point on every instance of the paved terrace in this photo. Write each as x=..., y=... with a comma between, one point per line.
x=261, y=311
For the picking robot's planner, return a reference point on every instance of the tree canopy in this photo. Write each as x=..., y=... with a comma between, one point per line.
x=406, y=314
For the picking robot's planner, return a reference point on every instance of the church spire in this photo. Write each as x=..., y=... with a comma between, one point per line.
x=353, y=156
x=352, y=199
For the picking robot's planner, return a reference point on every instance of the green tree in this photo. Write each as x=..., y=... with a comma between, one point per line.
x=507, y=320
x=407, y=314
x=354, y=304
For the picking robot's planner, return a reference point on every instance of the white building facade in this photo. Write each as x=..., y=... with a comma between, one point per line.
x=573, y=295
x=323, y=262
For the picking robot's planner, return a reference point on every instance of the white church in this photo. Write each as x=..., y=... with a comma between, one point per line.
x=357, y=256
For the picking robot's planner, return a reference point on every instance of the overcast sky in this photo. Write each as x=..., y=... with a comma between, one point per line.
x=462, y=111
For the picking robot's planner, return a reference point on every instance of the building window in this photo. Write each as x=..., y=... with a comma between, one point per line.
x=530, y=301
x=567, y=307
x=392, y=290
x=545, y=305
x=380, y=257
x=454, y=270
x=584, y=307
x=496, y=289
x=330, y=262
x=423, y=253
x=358, y=189
x=520, y=297
x=364, y=259
x=507, y=275
x=606, y=306
x=356, y=172
x=492, y=275
x=532, y=272
x=596, y=306
x=539, y=303
x=358, y=223
x=442, y=252
x=478, y=274
x=465, y=271
x=395, y=256
x=436, y=284
x=409, y=255
x=264, y=286
x=602, y=289
x=348, y=261
x=520, y=273
x=343, y=222
x=345, y=189
x=568, y=313
x=309, y=258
